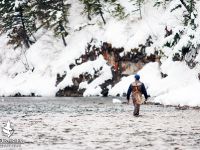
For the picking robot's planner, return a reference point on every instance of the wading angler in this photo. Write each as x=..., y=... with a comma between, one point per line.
x=137, y=89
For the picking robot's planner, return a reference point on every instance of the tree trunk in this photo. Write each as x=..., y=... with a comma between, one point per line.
x=191, y=6
x=102, y=18
x=88, y=11
x=140, y=10
x=32, y=35
x=165, y=3
x=64, y=42
x=25, y=36
x=101, y=13
x=185, y=5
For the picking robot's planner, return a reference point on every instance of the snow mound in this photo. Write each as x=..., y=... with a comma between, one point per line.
x=116, y=101
x=179, y=87
x=90, y=67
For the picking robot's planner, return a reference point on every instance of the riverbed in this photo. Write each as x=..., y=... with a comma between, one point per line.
x=97, y=123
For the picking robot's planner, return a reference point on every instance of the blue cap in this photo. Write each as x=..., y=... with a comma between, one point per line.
x=137, y=77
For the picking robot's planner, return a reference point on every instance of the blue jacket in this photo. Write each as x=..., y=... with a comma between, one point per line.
x=143, y=90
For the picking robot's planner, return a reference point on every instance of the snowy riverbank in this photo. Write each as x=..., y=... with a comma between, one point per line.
x=34, y=71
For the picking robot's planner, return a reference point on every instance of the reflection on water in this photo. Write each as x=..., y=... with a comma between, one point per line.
x=97, y=123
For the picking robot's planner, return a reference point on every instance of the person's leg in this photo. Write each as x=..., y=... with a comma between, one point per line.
x=134, y=112
x=136, y=109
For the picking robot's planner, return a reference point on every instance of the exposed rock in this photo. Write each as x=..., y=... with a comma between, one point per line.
x=104, y=87
x=71, y=66
x=72, y=91
x=168, y=32
x=124, y=94
x=59, y=78
x=32, y=95
x=196, y=107
x=151, y=58
x=122, y=64
x=163, y=75
x=185, y=50
x=18, y=95
x=104, y=91
x=191, y=64
x=199, y=76
x=21, y=95
x=177, y=57
x=185, y=107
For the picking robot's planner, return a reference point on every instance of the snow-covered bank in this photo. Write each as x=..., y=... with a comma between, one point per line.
x=34, y=70
x=180, y=87
x=97, y=68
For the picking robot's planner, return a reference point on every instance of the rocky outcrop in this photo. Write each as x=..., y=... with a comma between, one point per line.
x=22, y=95
x=122, y=64
x=59, y=78
x=72, y=91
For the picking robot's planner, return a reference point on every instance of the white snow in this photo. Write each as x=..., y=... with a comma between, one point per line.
x=89, y=67
x=149, y=75
x=117, y=101
x=180, y=87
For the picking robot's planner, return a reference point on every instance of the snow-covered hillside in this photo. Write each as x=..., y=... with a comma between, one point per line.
x=34, y=70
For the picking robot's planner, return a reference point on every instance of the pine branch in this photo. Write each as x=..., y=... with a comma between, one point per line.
x=178, y=6
x=185, y=5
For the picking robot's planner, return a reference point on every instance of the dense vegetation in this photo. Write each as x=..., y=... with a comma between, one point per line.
x=21, y=19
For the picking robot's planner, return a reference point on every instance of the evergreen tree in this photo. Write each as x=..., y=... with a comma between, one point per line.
x=163, y=3
x=97, y=7
x=60, y=26
x=138, y=4
x=190, y=12
x=52, y=14
x=185, y=42
x=17, y=22
x=87, y=8
x=118, y=10
x=6, y=13
x=94, y=7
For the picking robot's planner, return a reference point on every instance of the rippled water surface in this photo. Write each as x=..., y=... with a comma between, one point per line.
x=97, y=123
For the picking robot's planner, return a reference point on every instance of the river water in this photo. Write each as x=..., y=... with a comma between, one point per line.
x=97, y=123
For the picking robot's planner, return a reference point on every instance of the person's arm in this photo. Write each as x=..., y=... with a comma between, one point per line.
x=129, y=93
x=144, y=91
